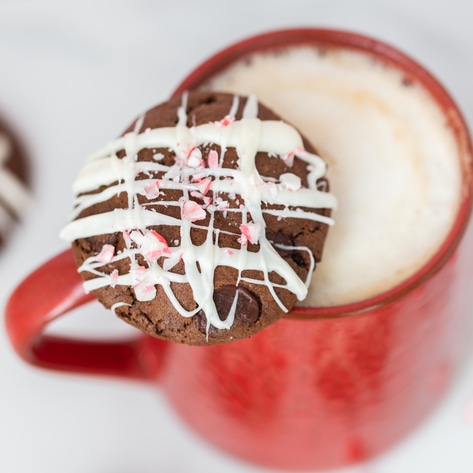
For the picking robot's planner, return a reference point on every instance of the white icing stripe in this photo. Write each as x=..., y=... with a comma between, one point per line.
x=274, y=137
x=12, y=192
x=181, y=112
x=107, y=171
x=192, y=176
x=269, y=193
x=235, y=103
x=251, y=108
x=118, y=220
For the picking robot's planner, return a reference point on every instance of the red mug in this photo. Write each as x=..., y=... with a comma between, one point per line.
x=321, y=388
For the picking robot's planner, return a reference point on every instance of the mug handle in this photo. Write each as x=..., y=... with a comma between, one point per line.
x=51, y=291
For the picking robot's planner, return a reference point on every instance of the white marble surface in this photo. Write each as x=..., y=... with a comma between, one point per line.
x=72, y=75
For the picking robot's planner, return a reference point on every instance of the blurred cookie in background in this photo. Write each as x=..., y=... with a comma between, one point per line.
x=15, y=195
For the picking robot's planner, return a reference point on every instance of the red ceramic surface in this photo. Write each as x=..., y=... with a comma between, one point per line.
x=321, y=388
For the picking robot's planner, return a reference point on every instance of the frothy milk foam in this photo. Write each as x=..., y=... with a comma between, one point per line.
x=392, y=162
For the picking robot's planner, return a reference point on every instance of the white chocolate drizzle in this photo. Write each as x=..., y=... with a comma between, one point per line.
x=14, y=196
x=195, y=177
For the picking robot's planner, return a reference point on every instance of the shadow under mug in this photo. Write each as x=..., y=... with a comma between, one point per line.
x=321, y=388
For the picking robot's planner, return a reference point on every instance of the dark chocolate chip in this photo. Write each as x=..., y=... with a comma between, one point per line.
x=279, y=240
x=201, y=322
x=298, y=258
x=322, y=185
x=248, y=308
x=111, y=239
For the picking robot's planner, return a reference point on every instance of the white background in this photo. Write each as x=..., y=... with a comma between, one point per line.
x=72, y=76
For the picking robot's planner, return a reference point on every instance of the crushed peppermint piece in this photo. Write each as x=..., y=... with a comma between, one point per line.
x=138, y=273
x=152, y=190
x=194, y=157
x=106, y=255
x=197, y=195
x=250, y=232
x=173, y=259
x=192, y=211
x=213, y=159
x=221, y=204
x=137, y=237
x=204, y=185
x=126, y=238
x=290, y=181
x=198, y=176
x=224, y=122
x=173, y=172
x=152, y=244
x=144, y=291
x=114, y=278
x=289, y=158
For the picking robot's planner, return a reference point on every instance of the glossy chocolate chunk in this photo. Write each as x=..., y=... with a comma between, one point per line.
x=248, y=307
x=280, y=241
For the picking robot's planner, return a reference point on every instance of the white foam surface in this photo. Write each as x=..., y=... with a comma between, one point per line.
x=393, y=163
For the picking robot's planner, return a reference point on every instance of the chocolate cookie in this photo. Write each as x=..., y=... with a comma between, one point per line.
x=14, y=195
x=202, y=224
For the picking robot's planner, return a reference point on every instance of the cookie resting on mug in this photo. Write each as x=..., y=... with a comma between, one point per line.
x=204, y=221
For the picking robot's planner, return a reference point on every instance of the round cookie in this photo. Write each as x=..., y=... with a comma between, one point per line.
x=202, y=224
x=14, y=195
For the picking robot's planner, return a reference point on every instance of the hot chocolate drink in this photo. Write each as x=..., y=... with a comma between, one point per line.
x=393, y=162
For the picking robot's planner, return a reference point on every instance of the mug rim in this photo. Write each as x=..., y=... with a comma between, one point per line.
x=390, y=55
